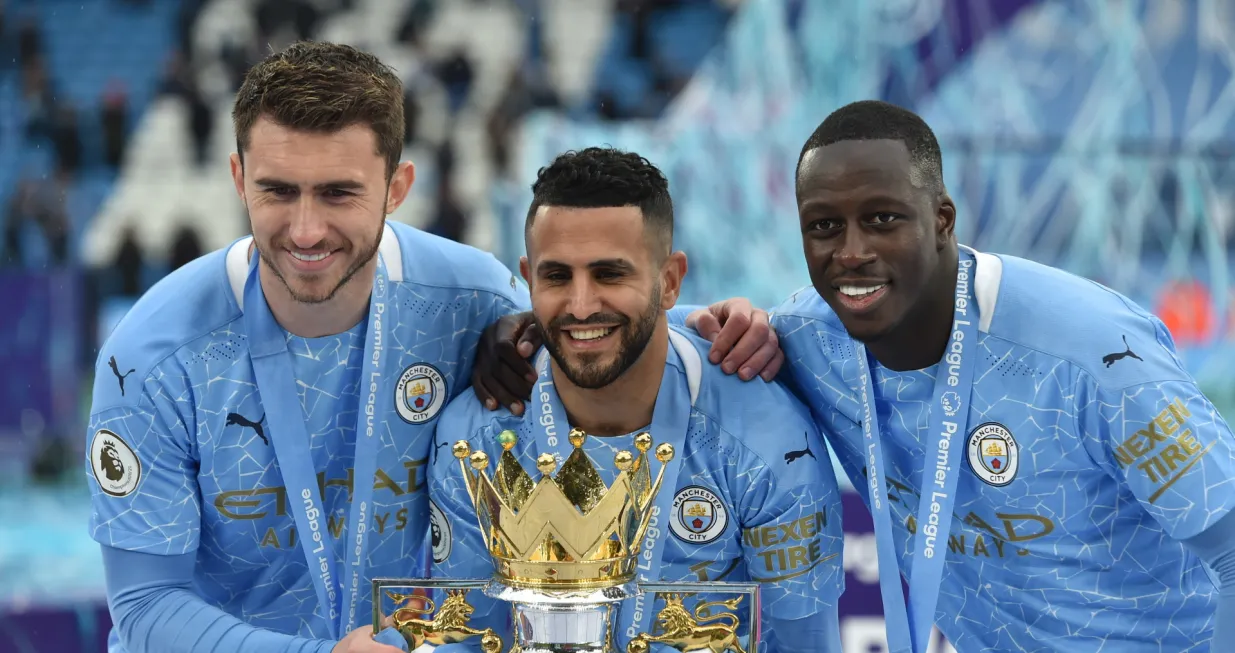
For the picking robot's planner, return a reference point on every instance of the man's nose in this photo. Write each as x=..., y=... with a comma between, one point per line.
x=307, y=228
x=855, y=250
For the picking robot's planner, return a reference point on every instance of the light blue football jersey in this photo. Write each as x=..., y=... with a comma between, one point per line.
x=1089, y=452
x=766, y=506
x=180, y=457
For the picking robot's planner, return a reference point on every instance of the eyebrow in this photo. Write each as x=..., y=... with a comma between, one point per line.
x=619, y=264
x=342, y=184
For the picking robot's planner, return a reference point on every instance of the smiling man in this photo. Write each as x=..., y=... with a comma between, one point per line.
x=1033, y=429
x=1039, y=465
x=738, y=503
x=266, y=457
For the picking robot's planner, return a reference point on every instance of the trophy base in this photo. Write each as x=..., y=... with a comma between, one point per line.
x=562, y=621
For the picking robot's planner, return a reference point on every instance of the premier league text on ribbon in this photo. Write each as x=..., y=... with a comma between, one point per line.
x=944, y=438
x=873, y=473
x=314, y=517
x=375, y=379
x=546, y=413
x=370, y=411
x=645, y=565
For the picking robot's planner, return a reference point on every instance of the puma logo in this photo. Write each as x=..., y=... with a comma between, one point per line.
x=794, y=455
x=115, y=369
x=1111, y=359
x=244, y=422
x=437, y=446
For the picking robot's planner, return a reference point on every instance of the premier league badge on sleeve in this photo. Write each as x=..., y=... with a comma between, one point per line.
x=115, y=465
x=993, y=454
x=420, y=393
x=440, y=533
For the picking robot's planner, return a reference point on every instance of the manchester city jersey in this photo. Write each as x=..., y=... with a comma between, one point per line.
x=180, y=447
x=755, y=500
x=1088, y=452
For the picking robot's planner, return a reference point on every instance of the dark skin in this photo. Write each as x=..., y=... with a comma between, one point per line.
x=869, y=218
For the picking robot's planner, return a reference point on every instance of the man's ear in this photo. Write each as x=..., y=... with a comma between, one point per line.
x=945, y=221
x=672, y=271
x=525, y=270
x=400, y=183
x=237, y=166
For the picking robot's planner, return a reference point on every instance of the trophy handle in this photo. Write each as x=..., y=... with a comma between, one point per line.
x=448, y=624
x=697, y=631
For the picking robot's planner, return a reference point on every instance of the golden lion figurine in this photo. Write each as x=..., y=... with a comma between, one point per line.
x=687, y=632
x=448, y=626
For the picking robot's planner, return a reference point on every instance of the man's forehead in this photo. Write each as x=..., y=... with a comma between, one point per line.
x=579, y=236
x=267, y=131
x=610, y=223
x=312, y=170
x=278, y=149
x=879, y=163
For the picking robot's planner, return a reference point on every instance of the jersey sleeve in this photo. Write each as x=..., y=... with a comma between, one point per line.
x=459, y=550
x=141, y=467
x=1172, y=449
x=792, y=538
x=678, y=314
x=1165, y=441
x=489, y=307
x=152, y=603
x=513, y=296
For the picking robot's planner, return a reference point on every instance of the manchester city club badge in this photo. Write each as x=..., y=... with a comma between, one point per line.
x=420, y=393
x=993, y=454
x=699, y=516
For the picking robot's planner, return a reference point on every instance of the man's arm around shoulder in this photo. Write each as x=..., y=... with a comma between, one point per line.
x=791, y=516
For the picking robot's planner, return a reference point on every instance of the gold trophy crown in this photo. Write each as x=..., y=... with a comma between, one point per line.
x=567, y=531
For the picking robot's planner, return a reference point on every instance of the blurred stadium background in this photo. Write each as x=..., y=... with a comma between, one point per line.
x=1095, y=135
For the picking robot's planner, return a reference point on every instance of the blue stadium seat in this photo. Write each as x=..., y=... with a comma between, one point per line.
x=88, y=44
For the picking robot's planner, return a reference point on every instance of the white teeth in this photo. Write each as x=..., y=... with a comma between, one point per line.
x=589, y=334
x=310, y=257
x=859, y=291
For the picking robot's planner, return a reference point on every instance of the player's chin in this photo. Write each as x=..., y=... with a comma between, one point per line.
x=866, y=326
x=581, y=362
x=591, y=370
x=865, y=332
x=312, y=289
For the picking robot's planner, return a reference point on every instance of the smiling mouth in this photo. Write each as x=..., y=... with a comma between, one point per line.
x=860, y=298
x=589, y=334
x=311, y=261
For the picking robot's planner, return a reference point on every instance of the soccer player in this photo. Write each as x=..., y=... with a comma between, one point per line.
x=1040, y=467
x=262, y=418
x=602, y=274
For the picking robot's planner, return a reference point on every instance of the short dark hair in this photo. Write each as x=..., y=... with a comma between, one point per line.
x=323, y=87
x=599, y=177
x=876, y=120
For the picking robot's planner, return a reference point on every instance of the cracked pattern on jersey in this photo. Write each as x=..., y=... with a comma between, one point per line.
x=211, y=482
x=1074, y=553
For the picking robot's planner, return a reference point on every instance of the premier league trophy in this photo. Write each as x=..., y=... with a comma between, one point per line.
x=565, y=552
